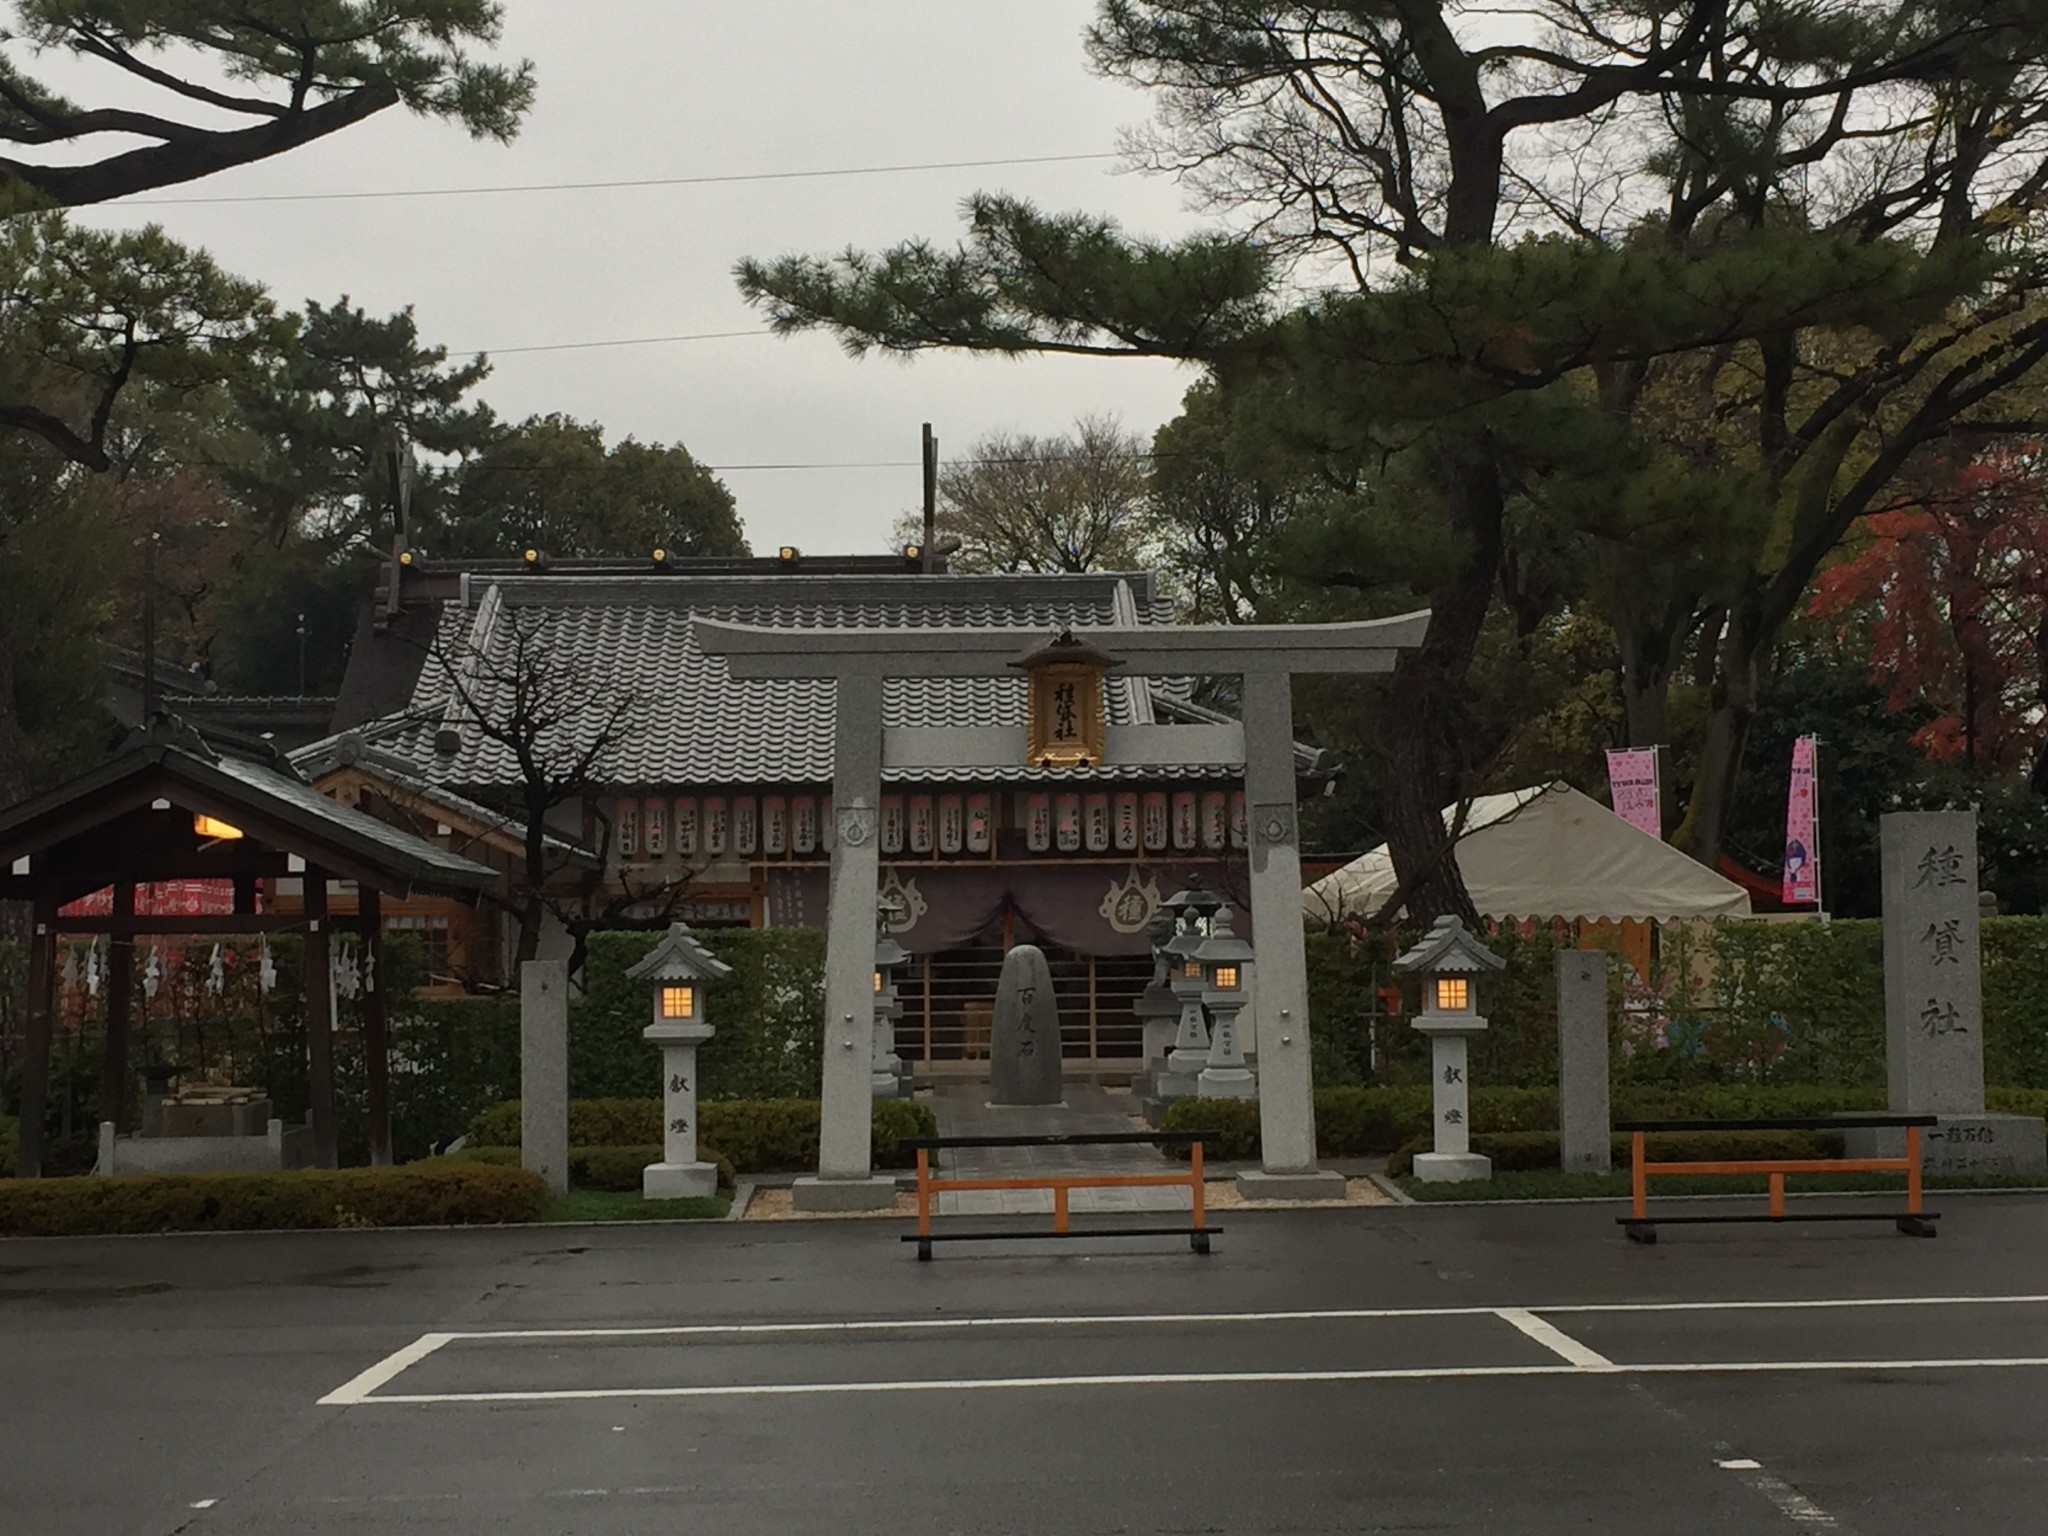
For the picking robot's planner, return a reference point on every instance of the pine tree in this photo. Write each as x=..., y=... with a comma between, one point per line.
x=1510, y=224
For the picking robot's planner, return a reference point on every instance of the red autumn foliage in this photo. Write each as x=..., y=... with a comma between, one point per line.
x=1953, y=593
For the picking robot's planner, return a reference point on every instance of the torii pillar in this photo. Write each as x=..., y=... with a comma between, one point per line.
x=1266, y=657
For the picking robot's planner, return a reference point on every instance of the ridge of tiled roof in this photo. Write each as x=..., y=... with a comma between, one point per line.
x=632, y=634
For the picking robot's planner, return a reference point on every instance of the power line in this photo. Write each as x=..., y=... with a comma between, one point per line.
x=607, y=186
x=623, y=341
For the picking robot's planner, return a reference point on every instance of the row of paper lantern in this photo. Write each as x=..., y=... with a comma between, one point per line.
x=775, y=825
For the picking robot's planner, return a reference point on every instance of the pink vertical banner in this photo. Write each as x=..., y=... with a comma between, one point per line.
x=1632, y=786
x=1802, y=830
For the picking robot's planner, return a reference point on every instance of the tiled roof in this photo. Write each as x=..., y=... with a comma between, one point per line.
x=349, y=750
x=291, y=814
x=694, y=723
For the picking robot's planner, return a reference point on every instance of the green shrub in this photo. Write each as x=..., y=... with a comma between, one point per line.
x=756, y=1135
x=1787, y=1003
x=592, y=1123
x=895, y=1121
x=1522, y=1151
x=1743, y=1101
x=413, y=1196
x=1235, y=1123
x=2017, y=1101
x=1376, y=1122
x=768, y=1016
x=1356, y=1122
x=616, y=1170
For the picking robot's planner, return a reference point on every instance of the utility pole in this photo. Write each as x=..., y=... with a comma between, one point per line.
x=149, y=700
x=931, y=500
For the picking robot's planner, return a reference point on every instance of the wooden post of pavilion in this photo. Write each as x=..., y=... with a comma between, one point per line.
x=318, y=985
x=120, y=1008
x=42, y=1020
x=376, y=1014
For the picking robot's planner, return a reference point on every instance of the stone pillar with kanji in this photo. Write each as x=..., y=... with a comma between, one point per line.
x=679, y=967
x=1450, y=961
x=1934, y=1004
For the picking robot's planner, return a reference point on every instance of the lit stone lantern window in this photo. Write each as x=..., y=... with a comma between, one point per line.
x=1453, y=994
x=678, y=1003
x=1065, y=681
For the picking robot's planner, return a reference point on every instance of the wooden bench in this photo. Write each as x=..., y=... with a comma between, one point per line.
x=928, y=1184
x=1914, y=1220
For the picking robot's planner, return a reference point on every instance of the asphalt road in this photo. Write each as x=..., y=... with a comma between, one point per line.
x=1410, y=1369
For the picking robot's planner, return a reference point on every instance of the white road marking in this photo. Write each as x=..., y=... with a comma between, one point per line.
x=1113, y=1319
x=1187, y=1379
x=204, y=1503
x=357, y=1389
x=1792, y=1504
x=1530, y=1321
x=975, y=1384
x=1555, y=1339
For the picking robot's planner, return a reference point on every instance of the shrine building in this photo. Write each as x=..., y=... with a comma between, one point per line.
x=712, y=800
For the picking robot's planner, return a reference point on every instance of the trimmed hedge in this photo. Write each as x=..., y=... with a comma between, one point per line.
x=1522, y=1151
x=413, y=1196
x=1727, y=1002
x=614, y=1169
x=1377, y=1122
x=754, y=1135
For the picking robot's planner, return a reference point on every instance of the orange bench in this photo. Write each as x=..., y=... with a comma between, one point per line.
x=929, y=1184
x=1916, y=1221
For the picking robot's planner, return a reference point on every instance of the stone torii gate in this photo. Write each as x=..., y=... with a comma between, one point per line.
x=1266, y=657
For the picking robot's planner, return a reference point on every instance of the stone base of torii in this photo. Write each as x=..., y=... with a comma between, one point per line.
x=1264, y=657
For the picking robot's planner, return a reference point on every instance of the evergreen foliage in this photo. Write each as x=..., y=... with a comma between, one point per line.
x=1650, y=287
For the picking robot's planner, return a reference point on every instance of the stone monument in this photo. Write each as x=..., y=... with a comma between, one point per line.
x=886, y=1077
x=1450, y=960
x=1024, y=1040
x=1933, y=1003
x=678, y=966
x=1158, y=1013
x=1585, y=1124
x=544, y=1071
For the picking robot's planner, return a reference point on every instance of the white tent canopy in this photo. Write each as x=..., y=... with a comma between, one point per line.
x=1542, y=853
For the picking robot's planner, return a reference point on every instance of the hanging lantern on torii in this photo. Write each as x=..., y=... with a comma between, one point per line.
x=1067, y=694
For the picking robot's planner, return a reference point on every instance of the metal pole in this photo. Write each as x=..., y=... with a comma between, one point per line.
x=931, y=499
x=149, y=629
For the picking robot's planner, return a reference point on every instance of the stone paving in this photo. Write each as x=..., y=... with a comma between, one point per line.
x=963, y=1110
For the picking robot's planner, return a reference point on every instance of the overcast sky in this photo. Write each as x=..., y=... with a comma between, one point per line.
x=648, y=89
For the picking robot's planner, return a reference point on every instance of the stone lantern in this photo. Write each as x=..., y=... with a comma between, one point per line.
x=1194, y=901
x=1157, y=1010
x=679, y=967
x=1186, y=979
x=886, y=1076
x=1224, y=956
x=1450, y=962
